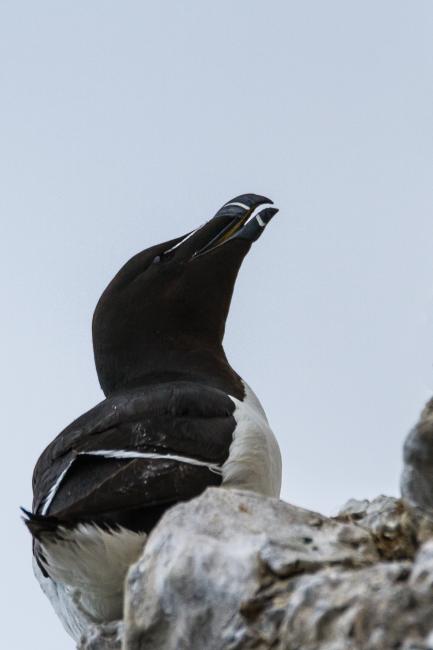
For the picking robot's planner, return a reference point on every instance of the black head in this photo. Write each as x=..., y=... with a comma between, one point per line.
x=163, y=315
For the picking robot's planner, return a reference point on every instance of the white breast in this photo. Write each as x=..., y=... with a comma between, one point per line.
x=254, y=461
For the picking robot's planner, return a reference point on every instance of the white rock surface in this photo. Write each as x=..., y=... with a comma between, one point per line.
x=232, y=570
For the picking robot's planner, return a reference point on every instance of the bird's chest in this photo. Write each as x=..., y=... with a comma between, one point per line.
x=254, y=461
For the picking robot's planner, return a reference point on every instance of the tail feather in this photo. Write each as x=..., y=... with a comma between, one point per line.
x=39, y=525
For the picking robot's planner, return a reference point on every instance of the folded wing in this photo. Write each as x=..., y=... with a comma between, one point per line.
x=127, y=459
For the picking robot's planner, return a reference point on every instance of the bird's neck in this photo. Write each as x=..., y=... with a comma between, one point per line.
x=162, y=363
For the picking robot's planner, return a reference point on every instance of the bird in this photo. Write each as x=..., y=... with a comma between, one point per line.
x=175, y=420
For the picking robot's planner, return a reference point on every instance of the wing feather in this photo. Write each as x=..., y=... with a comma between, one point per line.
x=75, y=479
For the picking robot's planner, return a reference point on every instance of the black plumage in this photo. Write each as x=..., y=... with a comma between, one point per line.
x=168, y=425
x=157, y=334
x=177, y=418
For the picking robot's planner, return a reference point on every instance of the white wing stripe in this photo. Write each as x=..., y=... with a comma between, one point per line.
x=116, y=453
x=53, y=489
x=122, y=454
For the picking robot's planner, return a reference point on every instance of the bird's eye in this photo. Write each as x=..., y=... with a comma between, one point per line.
x=165, y=256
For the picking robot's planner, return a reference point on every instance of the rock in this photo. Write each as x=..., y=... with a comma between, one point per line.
x=416, y=480
x=209, y=555
x=394, y=527
x=354, y=508
x=417, y=475
x=103, y=637
x=232, y=570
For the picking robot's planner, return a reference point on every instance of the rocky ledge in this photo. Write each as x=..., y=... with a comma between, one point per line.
x=231, y=570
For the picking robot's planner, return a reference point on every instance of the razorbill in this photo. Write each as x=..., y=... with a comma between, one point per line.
x=176, y=419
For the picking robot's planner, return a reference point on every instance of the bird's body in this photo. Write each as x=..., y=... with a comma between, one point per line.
x=176, y=418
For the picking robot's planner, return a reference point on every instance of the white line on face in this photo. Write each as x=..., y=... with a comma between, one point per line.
x=183, y=240
x=240, y=205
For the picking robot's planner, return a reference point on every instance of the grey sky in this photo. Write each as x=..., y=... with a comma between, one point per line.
x=127, y=123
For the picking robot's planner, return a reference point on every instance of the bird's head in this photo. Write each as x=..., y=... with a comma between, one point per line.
x=170, y=302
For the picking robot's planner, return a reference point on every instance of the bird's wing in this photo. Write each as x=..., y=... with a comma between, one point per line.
x=142, y=448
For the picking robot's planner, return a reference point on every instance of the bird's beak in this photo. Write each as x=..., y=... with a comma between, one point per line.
x=243, y=217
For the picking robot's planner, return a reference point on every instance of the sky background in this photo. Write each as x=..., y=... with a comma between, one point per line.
x=128, y=123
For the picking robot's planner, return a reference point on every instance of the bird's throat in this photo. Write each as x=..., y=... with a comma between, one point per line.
x=154, y=364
